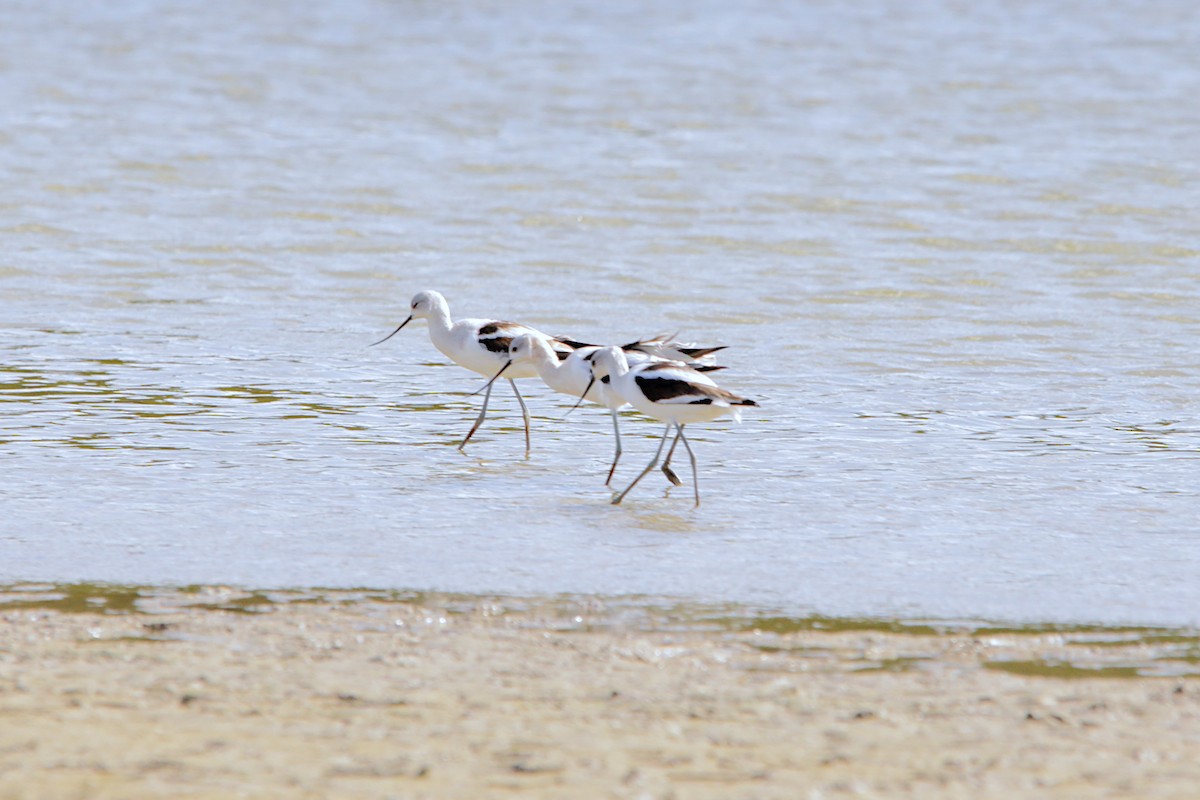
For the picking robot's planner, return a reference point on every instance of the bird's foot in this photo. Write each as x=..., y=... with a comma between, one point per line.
x=671, y=476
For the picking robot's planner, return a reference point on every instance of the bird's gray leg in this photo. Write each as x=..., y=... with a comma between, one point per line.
x=649, y=466
x=617, y=456
x=524, y=413
x=666, y=466
x=478, y=420
x=695, y=477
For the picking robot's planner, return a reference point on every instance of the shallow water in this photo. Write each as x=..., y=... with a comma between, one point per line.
x=953, y=249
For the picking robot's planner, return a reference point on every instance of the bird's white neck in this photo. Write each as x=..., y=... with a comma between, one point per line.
x=440, y=325
x=545, y=360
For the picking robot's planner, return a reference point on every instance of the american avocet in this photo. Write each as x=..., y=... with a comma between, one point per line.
x=572, y=374
x=671, y=392
x=480, y=345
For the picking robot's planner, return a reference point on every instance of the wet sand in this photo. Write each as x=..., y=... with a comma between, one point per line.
x=214, y=694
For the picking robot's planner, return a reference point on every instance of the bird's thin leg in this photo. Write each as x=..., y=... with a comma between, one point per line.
x=649, y=466
x=478, y=420
x=695, y=477
x=524, y=413
x=617, y=456
x=666, y=465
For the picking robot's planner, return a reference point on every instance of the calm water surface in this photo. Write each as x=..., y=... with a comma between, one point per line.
x=955, y=251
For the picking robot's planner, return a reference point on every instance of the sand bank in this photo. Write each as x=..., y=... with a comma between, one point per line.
x=215, y=693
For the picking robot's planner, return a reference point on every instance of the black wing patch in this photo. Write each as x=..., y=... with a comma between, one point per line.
x=496, y=344
x=659, y=389
x=492, y=336
x=700, y=352
x=574, y=344
x=493, y=328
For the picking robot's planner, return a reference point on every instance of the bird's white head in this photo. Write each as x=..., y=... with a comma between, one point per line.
x=425, y=304
x=605, y=361
x=522, y=347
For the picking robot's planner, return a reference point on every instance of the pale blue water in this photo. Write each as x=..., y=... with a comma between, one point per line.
x=954, y=250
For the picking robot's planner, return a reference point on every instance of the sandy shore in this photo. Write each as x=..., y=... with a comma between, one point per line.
x=213, y=694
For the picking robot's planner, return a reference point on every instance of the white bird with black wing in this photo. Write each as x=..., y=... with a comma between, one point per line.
x=480, y=345
x=668, y=391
